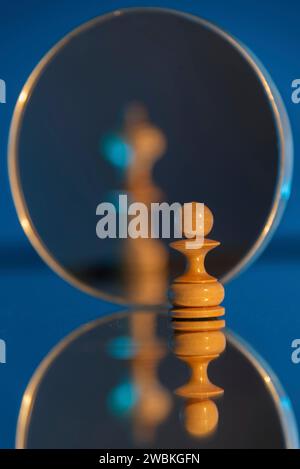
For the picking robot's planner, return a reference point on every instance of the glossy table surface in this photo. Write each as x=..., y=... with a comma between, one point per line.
x=38, y=310
x=123, y=382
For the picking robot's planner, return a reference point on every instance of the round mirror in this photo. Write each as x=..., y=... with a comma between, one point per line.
x=156, y=105
x=123, y=392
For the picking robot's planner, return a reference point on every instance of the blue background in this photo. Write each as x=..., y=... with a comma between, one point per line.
x=36, y=307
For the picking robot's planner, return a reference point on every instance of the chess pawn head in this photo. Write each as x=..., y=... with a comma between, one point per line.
x=201, y=417
x=148, y=141
x=197, y=220
x=148, y=144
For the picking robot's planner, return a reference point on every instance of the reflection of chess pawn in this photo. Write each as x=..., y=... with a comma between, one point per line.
x=197, y=343
x=145, y=271
x=154, y=400
x=148, y=144
x=196, y=294
x=145, y=259
x=201, y=417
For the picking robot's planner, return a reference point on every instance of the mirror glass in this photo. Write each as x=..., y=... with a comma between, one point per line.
x=156, y=105
x=125, y=382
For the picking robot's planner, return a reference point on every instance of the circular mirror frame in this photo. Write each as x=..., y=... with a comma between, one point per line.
x=273, y=386
x=284, y=134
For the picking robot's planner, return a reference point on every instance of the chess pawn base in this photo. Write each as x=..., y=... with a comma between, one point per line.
x=197, y=313
x=197, y=343
x=197, y=294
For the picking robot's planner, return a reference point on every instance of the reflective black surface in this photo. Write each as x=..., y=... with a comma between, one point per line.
x=113, y=385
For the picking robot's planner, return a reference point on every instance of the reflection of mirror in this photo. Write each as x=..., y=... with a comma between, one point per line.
x=111, y=384
x=216, y=130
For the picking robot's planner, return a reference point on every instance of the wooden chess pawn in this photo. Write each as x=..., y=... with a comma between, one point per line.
x=196, y=294
x=197, y=343
x=201, y=417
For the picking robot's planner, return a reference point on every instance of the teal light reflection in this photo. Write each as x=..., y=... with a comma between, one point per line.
x=122, y=399
x=116, y=150
x=121, y=348
x=286, y=403
x=286, y=191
